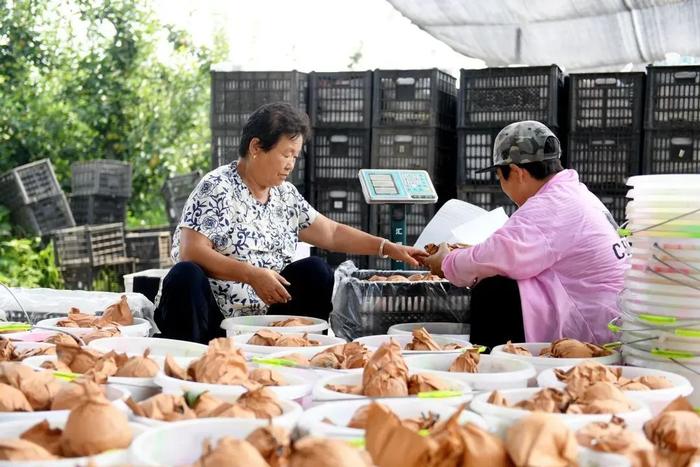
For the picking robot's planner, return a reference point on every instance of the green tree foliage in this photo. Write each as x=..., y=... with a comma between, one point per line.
x=24, y=261
x=93, y=79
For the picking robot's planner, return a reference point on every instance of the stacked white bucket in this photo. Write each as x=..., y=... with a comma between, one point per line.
x=661, y=302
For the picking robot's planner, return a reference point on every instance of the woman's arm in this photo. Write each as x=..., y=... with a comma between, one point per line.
x=268, y=284
x=333, y=236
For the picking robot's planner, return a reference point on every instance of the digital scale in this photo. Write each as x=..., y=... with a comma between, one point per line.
x=397, y=188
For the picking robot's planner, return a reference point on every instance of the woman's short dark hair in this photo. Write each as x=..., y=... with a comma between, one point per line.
x=269, y=122
x=538, y=170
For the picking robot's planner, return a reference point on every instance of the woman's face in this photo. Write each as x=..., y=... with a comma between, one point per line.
x=275, y=165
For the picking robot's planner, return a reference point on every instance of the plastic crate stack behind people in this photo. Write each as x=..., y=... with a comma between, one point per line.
x=34, y=198
x=605, y=133
x=236, y=94
x=413, y=127
x=489, y=99
x=672, y=120
x=340, y=108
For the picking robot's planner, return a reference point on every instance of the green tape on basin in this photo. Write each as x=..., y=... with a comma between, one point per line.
x=356, y=443
x=658, y=319
x=672, y=353
x=685, y=332
x=438, y=394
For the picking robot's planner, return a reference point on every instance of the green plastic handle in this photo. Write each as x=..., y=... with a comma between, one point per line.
x=624, y=232
x=15, y=327
x=671, y=353
x=614, y=328
x=685, y=332
x=612, y=345
x=356, y=443
x=66, y=376
x=658, y=319
x=424, y=432
x=275, y=361
x=438, y=394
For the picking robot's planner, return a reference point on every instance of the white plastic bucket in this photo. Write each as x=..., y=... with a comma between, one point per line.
x=542, y=363
x=321, y=393
x=139, y=388
x=656, y=399
x=140, y=328
x=325, y=342
x=590, y=458
x=374, y=342
x=13, y=430
x=180, y=443
x=687, y=367
x=664, y=181
x=494, y=372
x=500, y=418
x=158, y=347
x=458, y=331
x=314, y=422
x=315, y=373
x=291, y=411
x=295, y=389
x=254, y=323
x=113, y=394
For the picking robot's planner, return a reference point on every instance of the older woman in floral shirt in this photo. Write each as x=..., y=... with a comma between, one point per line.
x=238, y=234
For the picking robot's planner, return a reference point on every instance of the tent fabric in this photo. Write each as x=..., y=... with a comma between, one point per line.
x=575, y=34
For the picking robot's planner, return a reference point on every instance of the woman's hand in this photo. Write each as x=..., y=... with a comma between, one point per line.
x=269, y=286
x=407, y=254
x=434, y=262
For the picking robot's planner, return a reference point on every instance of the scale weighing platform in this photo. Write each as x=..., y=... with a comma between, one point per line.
x=397, y=188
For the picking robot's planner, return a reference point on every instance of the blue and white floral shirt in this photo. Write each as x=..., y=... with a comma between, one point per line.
x=265, y=235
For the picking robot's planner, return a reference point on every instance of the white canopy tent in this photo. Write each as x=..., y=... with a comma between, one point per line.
x=579, y=35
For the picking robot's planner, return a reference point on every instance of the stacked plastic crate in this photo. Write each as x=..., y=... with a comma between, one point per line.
x=84, y=254
x=413, y=127
x=340, y=107
x=175, y=191
x=236, y=94
x=605, y=133
x=672, y=120
x=150, y=248
x=35, y=199
x=100, y=190
x=490, y=99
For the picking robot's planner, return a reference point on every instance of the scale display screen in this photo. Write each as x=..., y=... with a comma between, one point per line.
x=381, y=186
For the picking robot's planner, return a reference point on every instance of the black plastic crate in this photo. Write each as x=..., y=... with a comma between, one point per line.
x=341, y=99
x=429, y=149
x=28, y=183
x=495, y=97
x=605, y=159
x=101, y=177
x=236, y=94
x=606, y=101
x=410, y=98
x=84, y=277
x=487, y=198
x=98, y=209
x=363, y=308
x=334, y=259
x=417, y=217
x=343, y=202
x=176, y=190
x=615, y=201
x=668, y=152
x=93, y=245
x=147, y=247
x=340, y=153
x=673, y=97
x=44, y=216
x=224, y=150
x=475, y=152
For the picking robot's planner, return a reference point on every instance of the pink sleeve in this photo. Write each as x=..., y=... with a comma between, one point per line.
x=518, y=250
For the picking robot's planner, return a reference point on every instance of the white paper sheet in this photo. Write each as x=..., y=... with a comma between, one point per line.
x=460, y=222
x=481, y=228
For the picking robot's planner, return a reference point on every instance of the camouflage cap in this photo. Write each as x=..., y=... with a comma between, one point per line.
x=523, y=142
